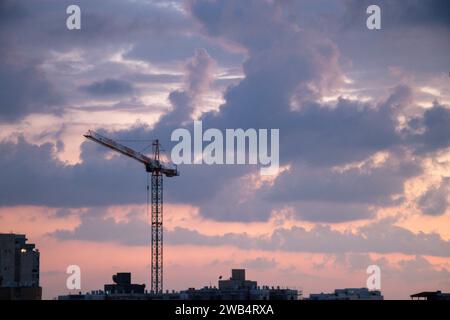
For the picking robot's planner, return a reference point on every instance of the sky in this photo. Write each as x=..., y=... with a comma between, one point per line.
x=364, y=120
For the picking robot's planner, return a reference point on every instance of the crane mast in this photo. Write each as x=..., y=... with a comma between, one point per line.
x=157, y=225
x=157, y=168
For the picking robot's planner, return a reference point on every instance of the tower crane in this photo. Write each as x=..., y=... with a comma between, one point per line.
x=157, y=168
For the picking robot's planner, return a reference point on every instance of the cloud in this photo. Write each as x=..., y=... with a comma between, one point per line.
x=33, y=175
x=199, y=76
x=332, y=195
x=133, y=232
x=108, y=87
x=24, y=87
x=286, y=72
x=431, y=132
x=434, y=201
x=406, y=276
x=405, y=13
x=106, y=27
x=285, y=59
x=41, y=65
x=154, y=78
x=379, y=237
x=259, y=263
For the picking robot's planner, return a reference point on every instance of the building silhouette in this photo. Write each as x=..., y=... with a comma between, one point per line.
x=122, y=289
x=433, y=295
x=348, y=294
x=237, y=287
x=19, y=268
x=122, y=285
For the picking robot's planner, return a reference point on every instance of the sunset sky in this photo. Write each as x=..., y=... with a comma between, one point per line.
x=364, y=120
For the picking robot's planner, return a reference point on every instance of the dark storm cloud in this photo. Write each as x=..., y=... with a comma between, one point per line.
x=103, y=27
x=434, y=201
x=380, y=237
x=32, y=33
x=369, y=183
x=415, y=29
x=334, y=196
x=57, y=184
x=407, y=13
x=24, y=89
x=35, y=176
x=349, y=131
x=154, y=78
x=286, y=71
x=154, y=31
x=109, y=87
x=431, y=132
x=286, y=66
x=132, y=233
x=331, y=195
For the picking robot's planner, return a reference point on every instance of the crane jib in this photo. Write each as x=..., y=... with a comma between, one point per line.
x=151, y=165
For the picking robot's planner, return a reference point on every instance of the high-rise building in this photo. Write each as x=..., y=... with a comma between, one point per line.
x=122, y=285
x=19, y=268
x=239, y=288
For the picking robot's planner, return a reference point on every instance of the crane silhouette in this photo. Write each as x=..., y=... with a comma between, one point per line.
x=157, y=168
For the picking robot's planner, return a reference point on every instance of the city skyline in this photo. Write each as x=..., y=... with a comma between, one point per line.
x=364, y=135
x=20, y=274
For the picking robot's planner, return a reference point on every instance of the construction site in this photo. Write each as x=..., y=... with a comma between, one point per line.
x=235, y=288
x=156, y=168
